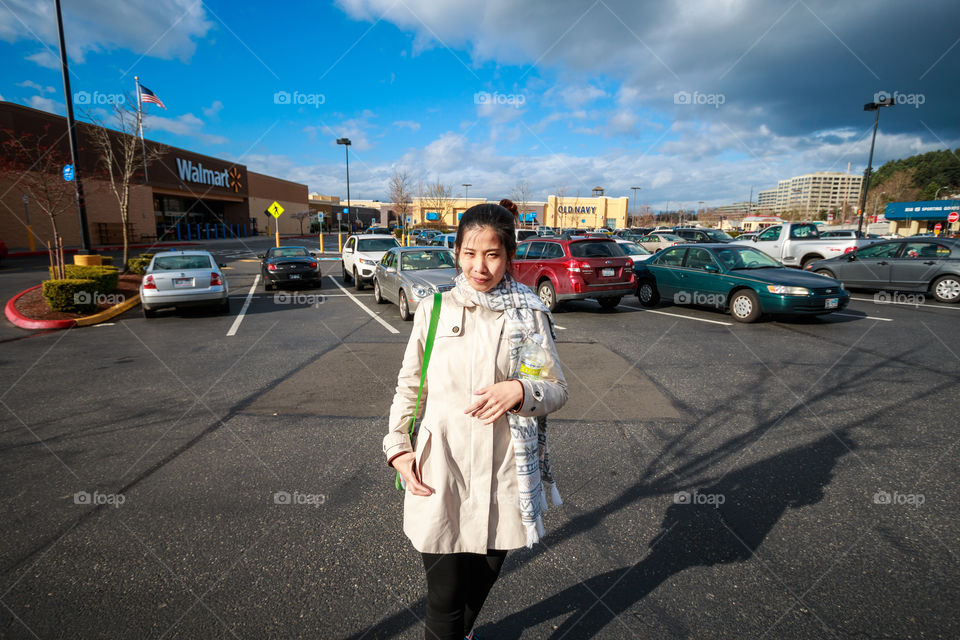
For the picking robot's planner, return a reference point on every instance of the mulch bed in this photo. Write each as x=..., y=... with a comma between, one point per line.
x=34, y=306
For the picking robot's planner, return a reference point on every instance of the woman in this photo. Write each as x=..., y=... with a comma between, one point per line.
x=473, y=483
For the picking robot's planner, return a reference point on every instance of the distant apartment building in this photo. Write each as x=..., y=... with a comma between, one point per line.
x=812, y=193
x=734, y=210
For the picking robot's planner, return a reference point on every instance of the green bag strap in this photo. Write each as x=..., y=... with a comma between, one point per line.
x=427, y=350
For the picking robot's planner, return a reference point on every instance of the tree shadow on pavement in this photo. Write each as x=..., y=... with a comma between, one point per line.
x=696, y=531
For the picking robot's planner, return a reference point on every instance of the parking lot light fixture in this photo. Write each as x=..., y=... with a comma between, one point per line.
x=887, y=101
x=346, y=147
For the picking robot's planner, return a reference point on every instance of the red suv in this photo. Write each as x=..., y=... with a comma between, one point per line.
x=574, y=269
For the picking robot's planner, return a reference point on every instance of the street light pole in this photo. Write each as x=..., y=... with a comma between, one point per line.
x=71, y=127
x=466, y=197
x=635, y=189
x=346, y=147
x=870, y=106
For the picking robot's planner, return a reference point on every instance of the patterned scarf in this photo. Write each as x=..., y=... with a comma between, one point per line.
x=529, y=435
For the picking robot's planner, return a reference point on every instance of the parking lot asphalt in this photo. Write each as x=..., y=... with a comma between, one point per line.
x=785, y=479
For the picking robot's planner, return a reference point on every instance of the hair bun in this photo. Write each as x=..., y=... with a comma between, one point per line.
x=510, y=206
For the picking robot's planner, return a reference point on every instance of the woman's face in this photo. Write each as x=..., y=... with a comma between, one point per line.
x=483, y=258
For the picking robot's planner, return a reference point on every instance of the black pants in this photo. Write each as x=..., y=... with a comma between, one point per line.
x=457, y=585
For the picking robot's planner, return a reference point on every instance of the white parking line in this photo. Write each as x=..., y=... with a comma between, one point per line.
x=853, y=315
x=677, y=315
x=908, y=304
x=243, y=310
x=365, y=308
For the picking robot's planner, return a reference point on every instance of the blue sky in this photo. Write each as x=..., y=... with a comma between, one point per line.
x=696, y=100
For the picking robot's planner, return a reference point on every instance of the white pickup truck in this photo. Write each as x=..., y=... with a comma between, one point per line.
x=796, y=244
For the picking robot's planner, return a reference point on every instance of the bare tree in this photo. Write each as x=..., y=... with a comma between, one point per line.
x=120, y=156
x=398, y=189
x=520, y=195
x=300, y=216
x=34, y=163
x=438, y=196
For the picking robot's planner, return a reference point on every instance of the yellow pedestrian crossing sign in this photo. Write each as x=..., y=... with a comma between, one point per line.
x=275, y=209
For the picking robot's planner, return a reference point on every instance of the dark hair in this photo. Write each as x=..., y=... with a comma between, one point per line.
x=494, y=216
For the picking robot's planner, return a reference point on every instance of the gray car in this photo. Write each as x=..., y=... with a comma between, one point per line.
x=408, y=275
x=907, y=264
x=183, y=279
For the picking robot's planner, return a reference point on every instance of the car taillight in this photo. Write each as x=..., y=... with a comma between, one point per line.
x=271, y=267
x=630, y=263
x=215, y=280
x=313, y=265
x=849, y=249
x=573, y=265
x=148, y=283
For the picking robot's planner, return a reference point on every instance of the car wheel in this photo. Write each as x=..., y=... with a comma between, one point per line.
x=825, y=272
x=745, y=306
x=946, y=289
x=224, y=306
x=609, y=302
x=404, y=306
x=547, y=295
x=357, y=284
x=147, y=311
x=343, y=269
x=647, y=294
x=377, y=294
x=808, y=260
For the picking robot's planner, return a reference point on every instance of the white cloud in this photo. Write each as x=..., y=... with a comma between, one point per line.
x=45, y=59
x=164, y=29
x=187, y=125
x=46, y=104
x=213, y=110
x=408, y=124
x=33, y=85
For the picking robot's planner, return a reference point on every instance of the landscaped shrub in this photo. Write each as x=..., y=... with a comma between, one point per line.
x=138, y=265
x=107, y=260
x=106, y=277
x=146, y=255
x=71, y=294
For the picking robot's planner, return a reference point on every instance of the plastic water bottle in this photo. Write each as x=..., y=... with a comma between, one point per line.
x=531, y=360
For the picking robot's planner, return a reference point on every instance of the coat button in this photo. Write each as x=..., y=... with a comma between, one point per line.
x=456, y=329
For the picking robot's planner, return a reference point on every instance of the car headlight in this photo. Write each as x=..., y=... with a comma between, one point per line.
x=369, y=262
x=788, y=291
x=420, y=291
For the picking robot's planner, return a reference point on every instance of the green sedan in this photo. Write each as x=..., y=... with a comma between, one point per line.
x=741, y=279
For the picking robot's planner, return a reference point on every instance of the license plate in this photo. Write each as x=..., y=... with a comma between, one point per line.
x=832, y=303
x=606, y=272
x=182, y=282
x=294, y=276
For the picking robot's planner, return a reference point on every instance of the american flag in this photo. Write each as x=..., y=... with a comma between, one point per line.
x=149, y=96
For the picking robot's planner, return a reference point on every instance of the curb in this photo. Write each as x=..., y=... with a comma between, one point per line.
x=22, y=321
x=106, y=314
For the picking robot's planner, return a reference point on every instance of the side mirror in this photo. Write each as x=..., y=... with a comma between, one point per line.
x=712, y=268
x=314, y=253
x=222, y=264
x=261, y=256
x=755, y=238
x=391, y=269
x=851, y=256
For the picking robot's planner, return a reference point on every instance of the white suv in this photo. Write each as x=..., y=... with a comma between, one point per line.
x=360, y=256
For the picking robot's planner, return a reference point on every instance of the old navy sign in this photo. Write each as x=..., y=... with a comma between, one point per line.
x=570, y=209
x=190, y=172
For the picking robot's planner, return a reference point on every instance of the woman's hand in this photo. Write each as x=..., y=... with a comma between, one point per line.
x=404, y=464
x=495, y=400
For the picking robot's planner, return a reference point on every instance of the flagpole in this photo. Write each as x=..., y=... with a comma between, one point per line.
x=143, y=147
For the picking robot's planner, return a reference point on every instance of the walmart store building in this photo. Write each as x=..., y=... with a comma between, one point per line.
x=185, y=196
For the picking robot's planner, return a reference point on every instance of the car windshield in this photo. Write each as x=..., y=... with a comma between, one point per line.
x=745, y=258
x=418, y=260
x=288, y=252
x=633, y=248
x=595, y=249
x=716, y=234
x=181, y=263
x=377, y=244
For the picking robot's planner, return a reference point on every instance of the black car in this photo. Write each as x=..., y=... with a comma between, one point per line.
x=289, y=265
x=905, y=264
x=697, y=234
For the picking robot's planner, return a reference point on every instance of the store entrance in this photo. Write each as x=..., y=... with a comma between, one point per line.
x=183, y=217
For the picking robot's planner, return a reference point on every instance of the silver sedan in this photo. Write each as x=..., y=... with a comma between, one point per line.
x=181, y=279
x=408, y=275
